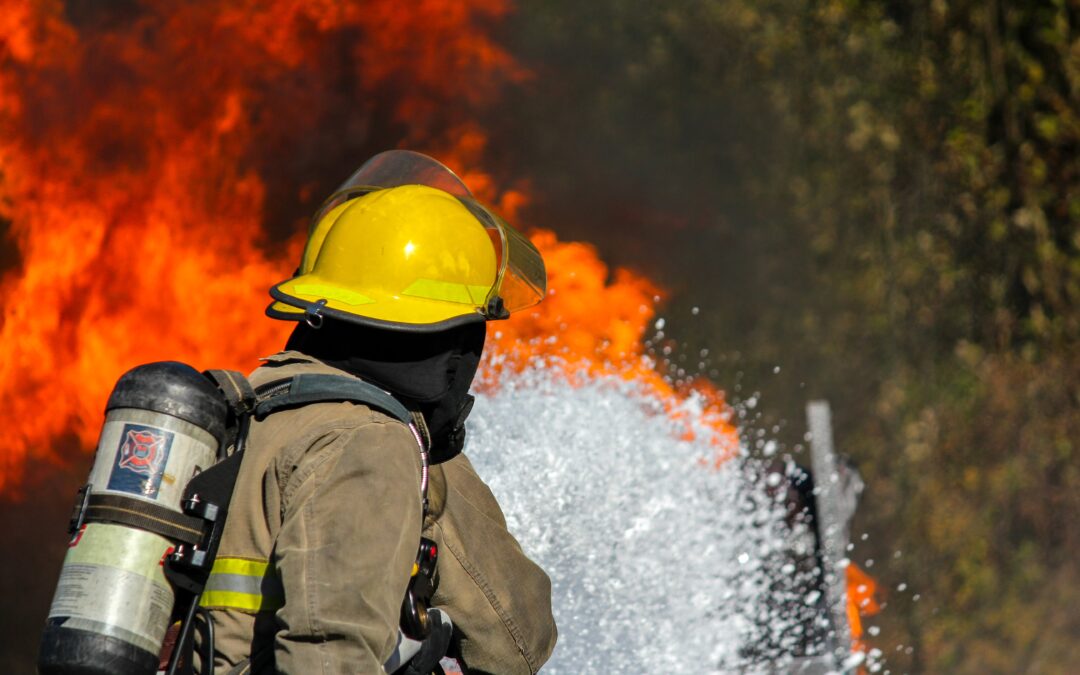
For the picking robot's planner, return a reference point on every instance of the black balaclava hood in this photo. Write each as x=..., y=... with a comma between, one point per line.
x=428, y=372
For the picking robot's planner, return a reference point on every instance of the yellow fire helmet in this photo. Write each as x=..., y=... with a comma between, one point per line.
x=403, y=245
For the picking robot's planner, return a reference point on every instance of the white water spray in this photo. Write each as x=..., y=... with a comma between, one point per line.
x=660, y=562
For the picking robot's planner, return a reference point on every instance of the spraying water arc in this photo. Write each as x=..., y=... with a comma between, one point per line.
x=660, y=560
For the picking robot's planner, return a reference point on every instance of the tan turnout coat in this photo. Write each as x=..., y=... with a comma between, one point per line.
x=321, y=537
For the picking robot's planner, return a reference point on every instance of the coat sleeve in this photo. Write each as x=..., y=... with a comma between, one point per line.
x=351, y=517
x=498, y=599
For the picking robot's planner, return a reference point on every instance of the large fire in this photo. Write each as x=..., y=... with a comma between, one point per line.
x=157, y=165
x=129, y=172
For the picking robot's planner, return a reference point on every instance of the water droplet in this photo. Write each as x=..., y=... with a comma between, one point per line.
x=854, y=660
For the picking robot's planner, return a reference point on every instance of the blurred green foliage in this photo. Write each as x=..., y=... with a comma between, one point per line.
x=883, y=198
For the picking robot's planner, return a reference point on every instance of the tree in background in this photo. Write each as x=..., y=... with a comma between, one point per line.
x=882, y=198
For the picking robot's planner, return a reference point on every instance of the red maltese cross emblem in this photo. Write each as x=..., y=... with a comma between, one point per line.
x=143, y=451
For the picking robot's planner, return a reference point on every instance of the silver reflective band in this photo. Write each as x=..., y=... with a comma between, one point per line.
x=243, y=584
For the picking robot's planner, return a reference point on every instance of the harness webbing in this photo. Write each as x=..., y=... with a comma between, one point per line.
x=236, y=389
x=143, y=515
x=313, y=388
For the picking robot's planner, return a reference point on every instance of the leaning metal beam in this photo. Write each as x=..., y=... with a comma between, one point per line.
x=834, y=510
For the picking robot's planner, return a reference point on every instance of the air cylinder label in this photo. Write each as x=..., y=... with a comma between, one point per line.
x=150, y=456
x=113, y=583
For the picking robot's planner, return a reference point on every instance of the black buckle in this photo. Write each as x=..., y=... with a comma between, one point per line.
x=190, y=565
x=496, y=310
x=414, y=609
x=78, y=513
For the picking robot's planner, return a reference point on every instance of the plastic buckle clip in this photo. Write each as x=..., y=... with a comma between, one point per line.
x=78, y=513
x=193, y=563
x=414, y=609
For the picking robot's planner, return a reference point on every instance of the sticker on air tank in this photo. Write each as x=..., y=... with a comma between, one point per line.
x=150, y=456
x=140, y=460
x=113, y=583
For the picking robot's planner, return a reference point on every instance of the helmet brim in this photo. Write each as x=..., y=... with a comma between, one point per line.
x=386, y=313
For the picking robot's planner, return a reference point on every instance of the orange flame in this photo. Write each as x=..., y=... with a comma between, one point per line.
x=862, y=602
x=134, y=157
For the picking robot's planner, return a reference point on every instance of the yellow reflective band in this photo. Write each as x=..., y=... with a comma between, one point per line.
x=244, y=602
x=332, y=293
x=243, y=584
x=448, y=291
x=244, y=566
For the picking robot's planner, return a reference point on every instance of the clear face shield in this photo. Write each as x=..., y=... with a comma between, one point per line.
x=389, y=169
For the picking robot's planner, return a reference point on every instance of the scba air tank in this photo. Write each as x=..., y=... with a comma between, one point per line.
x=164, y=423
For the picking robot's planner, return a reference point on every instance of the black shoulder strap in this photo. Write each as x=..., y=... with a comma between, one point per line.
x=311, y=388
x=236, y=389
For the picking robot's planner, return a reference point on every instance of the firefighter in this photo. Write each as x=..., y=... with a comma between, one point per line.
x=401, y=271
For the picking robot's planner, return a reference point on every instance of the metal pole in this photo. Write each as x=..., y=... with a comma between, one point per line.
x=834, y=510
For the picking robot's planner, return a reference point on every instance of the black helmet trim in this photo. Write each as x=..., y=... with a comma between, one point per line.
x=321, y=311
